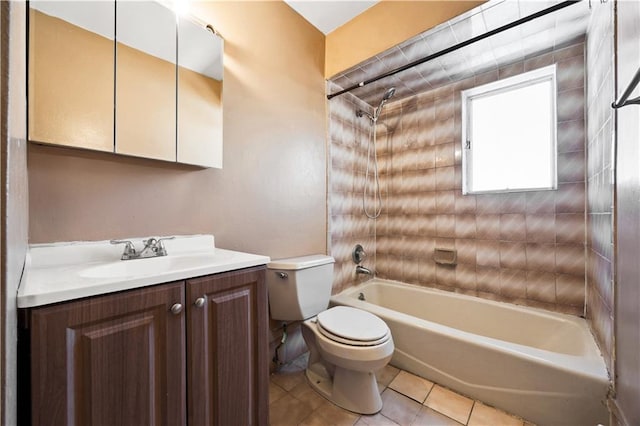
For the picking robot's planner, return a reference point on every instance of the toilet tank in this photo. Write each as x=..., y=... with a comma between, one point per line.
x=299, y=287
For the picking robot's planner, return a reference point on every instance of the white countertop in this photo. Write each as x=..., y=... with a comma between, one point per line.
x=65, y=271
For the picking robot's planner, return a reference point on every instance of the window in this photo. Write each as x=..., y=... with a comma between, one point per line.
x=509, y=134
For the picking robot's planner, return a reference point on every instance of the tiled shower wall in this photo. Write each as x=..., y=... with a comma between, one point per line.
x=348, y=226
x=524, y=247
x=600, y=94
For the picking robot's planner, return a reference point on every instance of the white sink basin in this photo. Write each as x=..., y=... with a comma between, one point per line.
x=153, y=266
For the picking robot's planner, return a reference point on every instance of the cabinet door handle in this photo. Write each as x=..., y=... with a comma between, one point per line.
x=199, y=302
x=176, y=308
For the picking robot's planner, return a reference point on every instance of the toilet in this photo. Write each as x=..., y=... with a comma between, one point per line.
x=346, y=345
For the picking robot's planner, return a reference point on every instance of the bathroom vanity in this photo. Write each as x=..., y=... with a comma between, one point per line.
x=190, y=350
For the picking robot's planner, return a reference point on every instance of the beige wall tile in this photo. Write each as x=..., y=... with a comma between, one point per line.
x=541, y=227
x=466, y=277
x=488, y=226
x=466, y=249
x=488, y=279
x=465, y=226
x=513, y=284
x=513, y=255
x=541, y=286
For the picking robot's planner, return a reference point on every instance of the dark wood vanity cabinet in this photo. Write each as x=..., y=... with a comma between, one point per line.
x=151, y=356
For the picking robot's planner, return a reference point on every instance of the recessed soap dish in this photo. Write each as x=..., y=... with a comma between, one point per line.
x=445, y=256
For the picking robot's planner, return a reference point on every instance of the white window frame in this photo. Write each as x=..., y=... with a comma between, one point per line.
x=522, y=80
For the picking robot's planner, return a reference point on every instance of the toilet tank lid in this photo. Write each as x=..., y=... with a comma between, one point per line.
x=301, y=262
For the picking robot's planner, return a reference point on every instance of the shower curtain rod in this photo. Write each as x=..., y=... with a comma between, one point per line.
x=472, y=40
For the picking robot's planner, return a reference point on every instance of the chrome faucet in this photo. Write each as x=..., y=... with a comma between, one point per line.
x=362, y=270
x=152, y=248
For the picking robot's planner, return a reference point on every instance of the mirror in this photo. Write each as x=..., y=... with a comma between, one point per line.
x=145, y=80
x=199, y=94
x=159, y=96
x=71, y=73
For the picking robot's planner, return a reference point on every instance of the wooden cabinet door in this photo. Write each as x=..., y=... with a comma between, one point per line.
x=227, y=369
x=110, y=360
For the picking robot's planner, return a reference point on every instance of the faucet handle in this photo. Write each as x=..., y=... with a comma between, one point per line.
x=151, y=242
x=129, y=248
x=358, y=254
x=160, y=248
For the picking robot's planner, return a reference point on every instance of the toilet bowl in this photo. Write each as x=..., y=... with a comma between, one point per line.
x=346, y=345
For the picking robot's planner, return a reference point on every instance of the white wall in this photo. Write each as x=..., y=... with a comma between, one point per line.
x=627, y=308
x=14, y=180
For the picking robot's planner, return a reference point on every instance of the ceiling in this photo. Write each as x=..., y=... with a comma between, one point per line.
x=329, y=15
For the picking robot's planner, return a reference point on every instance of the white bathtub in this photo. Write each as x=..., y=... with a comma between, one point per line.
x=540, y=365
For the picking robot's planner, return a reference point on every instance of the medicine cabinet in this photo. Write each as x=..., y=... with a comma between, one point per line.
x=130, y=78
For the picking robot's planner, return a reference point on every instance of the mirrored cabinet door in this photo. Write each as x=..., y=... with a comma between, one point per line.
x=71, y=78
x=145, y=80
x=199, y=94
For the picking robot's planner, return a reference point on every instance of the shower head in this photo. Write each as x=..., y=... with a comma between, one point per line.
x=389, y=93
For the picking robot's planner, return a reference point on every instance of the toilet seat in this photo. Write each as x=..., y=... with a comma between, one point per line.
x=351, y=326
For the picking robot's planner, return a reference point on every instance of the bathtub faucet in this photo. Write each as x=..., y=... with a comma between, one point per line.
x=362, y=270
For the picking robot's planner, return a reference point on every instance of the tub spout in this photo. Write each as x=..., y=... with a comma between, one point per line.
x=362, y=270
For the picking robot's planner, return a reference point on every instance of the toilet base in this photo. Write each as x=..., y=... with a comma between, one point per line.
x=352, y=390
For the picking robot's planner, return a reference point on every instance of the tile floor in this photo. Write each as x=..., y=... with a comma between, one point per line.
x=408, y=400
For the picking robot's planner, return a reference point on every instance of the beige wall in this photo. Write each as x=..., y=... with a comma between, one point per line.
x=383, y=26
x=270, y=196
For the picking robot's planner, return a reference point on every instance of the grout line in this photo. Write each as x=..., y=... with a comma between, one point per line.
x=471, y=411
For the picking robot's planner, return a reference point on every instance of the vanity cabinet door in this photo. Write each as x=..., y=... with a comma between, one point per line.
x=227, y=368
x=110, y=360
